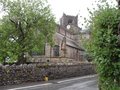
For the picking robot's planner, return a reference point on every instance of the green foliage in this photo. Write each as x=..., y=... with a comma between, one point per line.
x=104, y=46
x=25, y=27
x=86, y=46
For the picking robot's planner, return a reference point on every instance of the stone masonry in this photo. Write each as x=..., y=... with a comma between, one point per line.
x=17, y=74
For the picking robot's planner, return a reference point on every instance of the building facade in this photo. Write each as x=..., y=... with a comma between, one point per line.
x=67, y=45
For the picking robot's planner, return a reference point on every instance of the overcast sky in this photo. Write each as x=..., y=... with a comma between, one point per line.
x=72, y=7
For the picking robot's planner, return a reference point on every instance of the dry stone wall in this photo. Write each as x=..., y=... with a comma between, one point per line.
x=16, y=74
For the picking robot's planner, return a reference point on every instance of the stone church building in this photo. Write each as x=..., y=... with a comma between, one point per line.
x=67, y=43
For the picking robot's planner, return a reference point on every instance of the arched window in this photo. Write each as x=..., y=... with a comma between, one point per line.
x=70, y=21
x=56, y=50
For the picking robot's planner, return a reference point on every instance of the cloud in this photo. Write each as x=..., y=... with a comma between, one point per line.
x=72, y=7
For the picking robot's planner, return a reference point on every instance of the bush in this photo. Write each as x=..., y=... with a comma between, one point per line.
x=105, y=47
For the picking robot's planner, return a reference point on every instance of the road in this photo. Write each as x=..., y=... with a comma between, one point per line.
x=78, y=83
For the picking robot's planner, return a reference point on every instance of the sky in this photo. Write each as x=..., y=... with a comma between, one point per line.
x=73, y=7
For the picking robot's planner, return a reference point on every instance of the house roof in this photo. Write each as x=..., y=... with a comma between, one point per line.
x=69, y=42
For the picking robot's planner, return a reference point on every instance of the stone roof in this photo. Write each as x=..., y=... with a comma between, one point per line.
x=69, y=42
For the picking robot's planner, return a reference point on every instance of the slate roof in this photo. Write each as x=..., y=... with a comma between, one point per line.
x=69, y=42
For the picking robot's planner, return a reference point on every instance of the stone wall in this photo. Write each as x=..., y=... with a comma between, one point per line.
x=17, y=74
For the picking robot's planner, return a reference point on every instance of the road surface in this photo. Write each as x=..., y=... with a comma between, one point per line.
x=78, y=83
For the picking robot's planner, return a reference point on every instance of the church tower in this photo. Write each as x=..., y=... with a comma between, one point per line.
x=68, y=20
x=70, y=23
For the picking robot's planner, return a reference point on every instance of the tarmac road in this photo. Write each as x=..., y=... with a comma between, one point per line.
x=77, y=83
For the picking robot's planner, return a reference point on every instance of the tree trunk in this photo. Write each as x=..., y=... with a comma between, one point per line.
x=21, y=59
x=4, y=61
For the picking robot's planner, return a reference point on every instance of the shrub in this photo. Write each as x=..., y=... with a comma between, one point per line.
x=105, y=46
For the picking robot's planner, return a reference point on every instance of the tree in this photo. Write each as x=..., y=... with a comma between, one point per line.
x=105, y=46
x=25, y=27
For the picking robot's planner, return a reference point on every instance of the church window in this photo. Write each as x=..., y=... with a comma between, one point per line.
x=56, y=50
x=70, y=21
